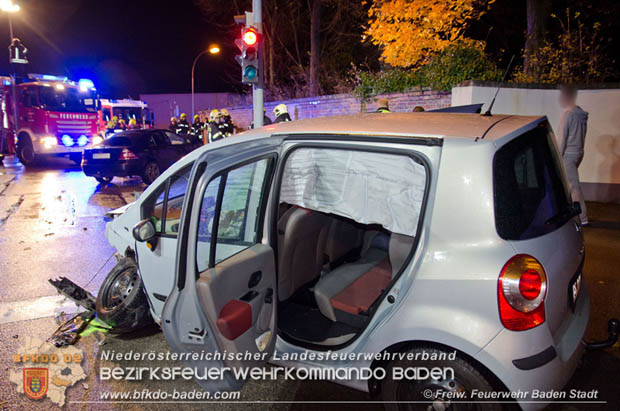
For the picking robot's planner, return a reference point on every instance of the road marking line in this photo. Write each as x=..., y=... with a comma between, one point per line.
x=36, y=308
x=12, y=210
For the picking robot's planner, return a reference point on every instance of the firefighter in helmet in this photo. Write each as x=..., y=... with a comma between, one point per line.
x=173, y=124
x=281, y=113
x=183, y=127
x=226, y=125
x=133, y=124
x=383, y=105
x=198, y=128
x=122, y=125
x=111, y=125
x=214, y=133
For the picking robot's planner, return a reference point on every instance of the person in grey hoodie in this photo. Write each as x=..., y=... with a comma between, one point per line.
x=573, y=127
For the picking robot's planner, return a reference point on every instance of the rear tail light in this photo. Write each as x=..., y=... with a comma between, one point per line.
x=127, y=154
x=521, y=292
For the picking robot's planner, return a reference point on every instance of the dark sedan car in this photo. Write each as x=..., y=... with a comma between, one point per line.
x=144, y=153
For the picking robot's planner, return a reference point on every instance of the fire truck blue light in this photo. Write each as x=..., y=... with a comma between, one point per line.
x=67, y=140
x=85, y=84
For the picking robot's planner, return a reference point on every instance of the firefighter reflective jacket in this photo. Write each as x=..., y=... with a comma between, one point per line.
x=183, y=127
x=214, y=132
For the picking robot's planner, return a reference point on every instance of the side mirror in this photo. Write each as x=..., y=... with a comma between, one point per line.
x=576, y=208
x=144, y=230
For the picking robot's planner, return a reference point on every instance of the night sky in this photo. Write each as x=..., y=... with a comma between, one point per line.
x=126, y=47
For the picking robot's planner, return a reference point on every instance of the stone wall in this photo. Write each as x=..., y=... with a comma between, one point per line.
x=337, y=104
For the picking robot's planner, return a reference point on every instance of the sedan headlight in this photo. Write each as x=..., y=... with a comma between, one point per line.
x=97, y=140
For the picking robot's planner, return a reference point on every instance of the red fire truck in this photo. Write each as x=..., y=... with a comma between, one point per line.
x=55, y=116
x=126, y=110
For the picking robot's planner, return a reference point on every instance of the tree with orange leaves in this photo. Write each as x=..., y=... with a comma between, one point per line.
x=411, y=31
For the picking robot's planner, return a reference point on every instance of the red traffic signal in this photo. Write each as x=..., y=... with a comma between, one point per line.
x=250, y=37
x=249, y=59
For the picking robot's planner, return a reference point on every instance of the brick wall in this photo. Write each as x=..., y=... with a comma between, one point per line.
x=336, y=104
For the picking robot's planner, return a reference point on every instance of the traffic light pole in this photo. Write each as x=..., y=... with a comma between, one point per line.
x=258, y=88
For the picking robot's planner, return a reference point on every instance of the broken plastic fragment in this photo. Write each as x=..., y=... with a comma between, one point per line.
x=69, y=332
x=60, y=317
x=75, y=293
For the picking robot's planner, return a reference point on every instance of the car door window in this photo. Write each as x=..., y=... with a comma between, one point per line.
x=231, y=209
x=160, y=139
x=174, y=139
x=174, y=202
x=156, y=213
x=165, y=210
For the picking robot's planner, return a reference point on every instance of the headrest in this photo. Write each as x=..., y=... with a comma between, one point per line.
x=375, y=239
x=380, y=241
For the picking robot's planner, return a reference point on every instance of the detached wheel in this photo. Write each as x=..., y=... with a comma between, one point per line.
x=121, y=301
x=412, y=394
x=25, y=152
x=151, y=172
x=104, y=180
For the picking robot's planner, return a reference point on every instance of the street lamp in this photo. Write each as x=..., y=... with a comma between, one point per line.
x=213, y=49
x=9, y=7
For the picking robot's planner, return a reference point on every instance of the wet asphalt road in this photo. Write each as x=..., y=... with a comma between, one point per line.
x=51, y=224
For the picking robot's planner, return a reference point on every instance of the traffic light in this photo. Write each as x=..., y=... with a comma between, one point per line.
x=249, y=44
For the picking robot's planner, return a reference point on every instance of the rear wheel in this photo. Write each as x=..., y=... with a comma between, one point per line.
x=104, y=180
x=151, y=172
x=450, y=393
x=121, y=301
x=25, y=152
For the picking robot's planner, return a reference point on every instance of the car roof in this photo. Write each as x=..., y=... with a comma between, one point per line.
x=139, y=131
x=132, y=133
x=426, y=124
x=420, y=124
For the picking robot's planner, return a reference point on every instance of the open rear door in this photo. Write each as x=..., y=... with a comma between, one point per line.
x=224, y=299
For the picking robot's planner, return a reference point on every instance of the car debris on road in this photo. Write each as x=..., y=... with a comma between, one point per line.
x=69, y=330
x=74, y=292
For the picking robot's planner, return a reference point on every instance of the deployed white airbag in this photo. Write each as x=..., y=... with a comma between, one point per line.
x=370, y=188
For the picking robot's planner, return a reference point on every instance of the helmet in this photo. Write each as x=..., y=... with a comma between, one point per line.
x=115, y=119
x=224, y=112
x=121, y=121
x=183, y=116
x=214, y=115
x=280, y=109
x=132, y=122
x=196, y=118
x=383, y=103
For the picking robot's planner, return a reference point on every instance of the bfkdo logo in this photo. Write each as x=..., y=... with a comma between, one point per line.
x=36, y=382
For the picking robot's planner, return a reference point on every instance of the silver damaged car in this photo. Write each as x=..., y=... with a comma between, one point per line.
x=451, y=237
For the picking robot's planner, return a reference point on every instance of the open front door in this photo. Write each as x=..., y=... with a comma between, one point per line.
x=224, y=298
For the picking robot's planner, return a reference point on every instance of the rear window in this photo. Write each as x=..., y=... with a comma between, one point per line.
x=529, y=191
x=117, y=142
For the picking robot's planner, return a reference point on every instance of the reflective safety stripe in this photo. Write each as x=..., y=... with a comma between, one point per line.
x=216, y=136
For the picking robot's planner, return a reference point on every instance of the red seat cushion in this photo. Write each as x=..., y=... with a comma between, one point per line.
x=361, y=293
